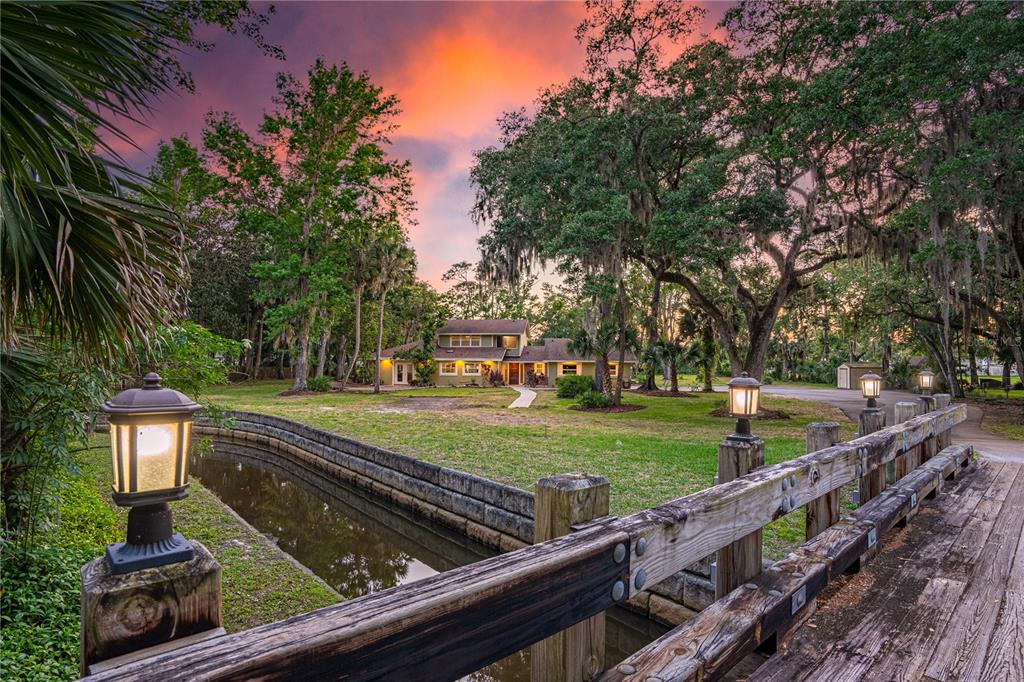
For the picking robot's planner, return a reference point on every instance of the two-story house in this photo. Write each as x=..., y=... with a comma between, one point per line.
x=468, y=351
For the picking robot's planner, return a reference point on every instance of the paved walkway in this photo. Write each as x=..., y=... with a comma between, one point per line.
x=525, y=397
x=851, y=403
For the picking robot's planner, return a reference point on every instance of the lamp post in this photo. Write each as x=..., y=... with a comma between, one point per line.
x=871, y=388
x=872, y=418
x=156, y=589
x=150, y=434
x=926, y=381
x=738, y=455
x=744, y=397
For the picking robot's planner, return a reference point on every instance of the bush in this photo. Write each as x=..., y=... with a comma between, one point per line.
x=319, y=384
x=572, y=386
x=592, y=400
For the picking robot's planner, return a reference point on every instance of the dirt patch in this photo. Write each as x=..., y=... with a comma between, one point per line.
x=723, y=411
x=427, y=403
x=613, y=408
x=292, y=394
x=658, y=393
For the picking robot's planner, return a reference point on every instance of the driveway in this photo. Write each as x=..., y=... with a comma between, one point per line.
x=851, y=403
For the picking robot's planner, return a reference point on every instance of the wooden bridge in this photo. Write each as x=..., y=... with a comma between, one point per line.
x=939, y=600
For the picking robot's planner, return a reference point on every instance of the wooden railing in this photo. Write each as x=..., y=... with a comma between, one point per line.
x=460, y=621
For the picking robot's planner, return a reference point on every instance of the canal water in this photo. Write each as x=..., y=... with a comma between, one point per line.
x=360, y=544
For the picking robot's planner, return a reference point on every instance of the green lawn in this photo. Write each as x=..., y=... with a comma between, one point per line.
x=664, y=451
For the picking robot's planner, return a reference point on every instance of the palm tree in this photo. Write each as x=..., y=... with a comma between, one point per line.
x=670, y=353
x=596, y=340
x=396, y=264
x=361, y=275
x=89, y=252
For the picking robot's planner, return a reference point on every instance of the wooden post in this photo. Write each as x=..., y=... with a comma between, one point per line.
x=122, y=614
x=739, y=562
x=945, y=438
x=871, y=485
x=824, y=511
x=908, y=461
x=577, y=653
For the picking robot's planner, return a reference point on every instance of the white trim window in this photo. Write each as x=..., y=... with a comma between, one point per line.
x=613, y=369
x=538, y=368
x=465, y=341
x=471, y=369
x=568, y=369
x=449, y=369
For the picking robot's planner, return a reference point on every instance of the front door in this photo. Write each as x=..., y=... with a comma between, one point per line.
x=513, y=373
x=401, y=373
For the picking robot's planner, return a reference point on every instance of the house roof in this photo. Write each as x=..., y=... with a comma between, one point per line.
x=557, y=350
x=483, y=327
x=390, y=352
x=854, y=365
x=449, y=354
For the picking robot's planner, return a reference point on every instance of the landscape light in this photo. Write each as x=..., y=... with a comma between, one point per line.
x=871, y=387
x=150, y=434
x=926, y=380
x=744, y=396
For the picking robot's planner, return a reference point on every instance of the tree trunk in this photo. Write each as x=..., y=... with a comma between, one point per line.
x=1007, y=366
x=321, y=354
x=380, y=339
x=826, y=349
x=280, y=364
x=622, y=342
x=886, y=355
x=339, y=370
x=650, y=383
x=674, y=368
x=359, y=331
x=301, y=367
x=258, y=362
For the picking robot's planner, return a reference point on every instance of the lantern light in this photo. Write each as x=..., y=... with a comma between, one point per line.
x=744, y=396
x=150, y=436
x=871, y=387
x=926, y=381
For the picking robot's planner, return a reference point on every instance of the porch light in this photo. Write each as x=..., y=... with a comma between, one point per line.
x=871, y=387
x=926, y=381
x=150, y=435
x=744, y=396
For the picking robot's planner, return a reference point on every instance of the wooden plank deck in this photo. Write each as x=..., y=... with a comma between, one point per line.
x=942, y=601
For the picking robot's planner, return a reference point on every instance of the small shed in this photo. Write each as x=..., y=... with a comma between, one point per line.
x=848, y=374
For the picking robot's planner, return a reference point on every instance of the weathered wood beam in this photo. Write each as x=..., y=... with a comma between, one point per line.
x=441, y=627
x=680, y=532
x=708, y=646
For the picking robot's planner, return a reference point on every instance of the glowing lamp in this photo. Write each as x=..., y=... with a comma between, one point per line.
x=150, y=435
x=926, y=381
x=744, y=396
x=871, y=387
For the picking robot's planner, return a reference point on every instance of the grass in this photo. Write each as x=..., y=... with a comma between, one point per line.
x=260, y=584
x=1002, y=416
x=650, y=456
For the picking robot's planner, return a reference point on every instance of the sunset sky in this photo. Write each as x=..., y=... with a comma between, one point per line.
x=455, y=67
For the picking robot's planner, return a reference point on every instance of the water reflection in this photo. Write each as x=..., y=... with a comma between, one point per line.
x=358, y=544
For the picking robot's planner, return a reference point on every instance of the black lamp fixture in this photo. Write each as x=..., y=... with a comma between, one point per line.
x=744, y=396
x=926, y=381
x=871, y=388
x=150, y=435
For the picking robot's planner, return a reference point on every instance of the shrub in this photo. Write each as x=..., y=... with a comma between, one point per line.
x=572, y=386
x=592, y=400
x=319, y=384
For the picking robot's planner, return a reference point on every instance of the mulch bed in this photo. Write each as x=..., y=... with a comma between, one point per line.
x=613, y=408
x=723, y=411
x=658, y=393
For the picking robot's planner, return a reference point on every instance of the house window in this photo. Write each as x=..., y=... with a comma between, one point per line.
x=569, y=368
x=613, y=369
x=449, y=369
x=471, y=369
x=465, y=341
x=538, y=368
x=510, y=342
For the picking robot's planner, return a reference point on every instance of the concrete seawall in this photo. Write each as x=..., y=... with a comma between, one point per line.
x=494, y=514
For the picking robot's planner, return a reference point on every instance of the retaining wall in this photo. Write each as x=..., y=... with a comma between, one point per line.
x=496, y=515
